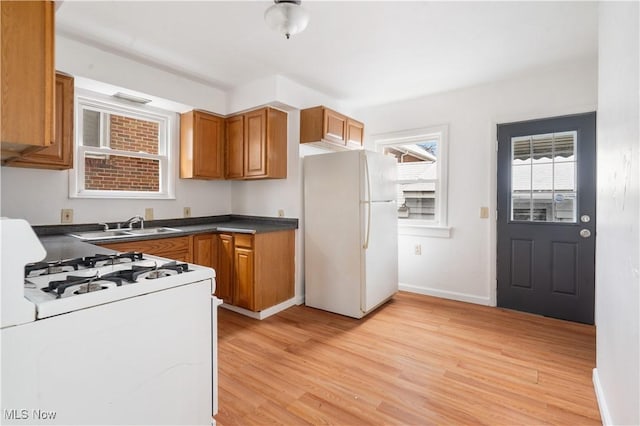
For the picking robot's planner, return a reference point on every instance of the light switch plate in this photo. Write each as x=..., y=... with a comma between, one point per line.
x=484, y=212
x=281, y=213
x=186, y=212
x=148, y=213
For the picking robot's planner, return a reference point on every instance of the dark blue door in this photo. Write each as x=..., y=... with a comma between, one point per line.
x=546, y=216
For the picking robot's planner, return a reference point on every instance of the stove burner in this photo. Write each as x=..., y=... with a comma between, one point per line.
x=60, y=286
x=111, y=259
x=158, y=274
x=89, y=287
x=152, y=272
x=47, y=268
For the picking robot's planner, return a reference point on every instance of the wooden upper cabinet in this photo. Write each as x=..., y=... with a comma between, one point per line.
x=256, y=145
x=334, y=126
x=27, y=76
x=355, y=133
x=201, y=145
x=234, y=147
x=323, y=126
x=59, y=155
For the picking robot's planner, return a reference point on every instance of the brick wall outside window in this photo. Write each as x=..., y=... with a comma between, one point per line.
x=130, y=134
x=121, y=173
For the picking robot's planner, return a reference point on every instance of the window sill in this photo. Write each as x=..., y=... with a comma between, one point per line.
x=425, y=231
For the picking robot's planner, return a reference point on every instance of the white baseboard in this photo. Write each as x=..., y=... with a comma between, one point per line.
x=462, y=297
x=602, y=402
x=267, y=312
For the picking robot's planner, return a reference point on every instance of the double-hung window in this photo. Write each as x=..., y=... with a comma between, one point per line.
x=122, y=150
x=421, y=157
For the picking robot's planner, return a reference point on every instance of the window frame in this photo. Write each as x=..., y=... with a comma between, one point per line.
x=439, y=226
x=167, y=122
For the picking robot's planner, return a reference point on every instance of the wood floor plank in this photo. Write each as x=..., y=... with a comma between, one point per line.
x=416, y=360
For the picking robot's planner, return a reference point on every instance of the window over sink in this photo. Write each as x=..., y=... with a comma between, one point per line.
x=122, y=149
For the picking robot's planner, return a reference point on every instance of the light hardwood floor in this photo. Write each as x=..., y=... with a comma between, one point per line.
x=418, y=360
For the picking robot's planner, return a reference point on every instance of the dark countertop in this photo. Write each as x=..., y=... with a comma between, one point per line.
x=61, y=246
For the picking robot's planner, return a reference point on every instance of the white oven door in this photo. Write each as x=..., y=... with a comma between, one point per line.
x=149, y=359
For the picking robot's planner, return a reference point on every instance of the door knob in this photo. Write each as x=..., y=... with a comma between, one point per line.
x=585, y=233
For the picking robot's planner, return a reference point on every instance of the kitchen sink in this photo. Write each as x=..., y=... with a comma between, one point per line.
x=121, y=233
x=147, y=231
x=101, y=235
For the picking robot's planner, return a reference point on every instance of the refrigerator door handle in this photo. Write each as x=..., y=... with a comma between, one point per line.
x=367, y=202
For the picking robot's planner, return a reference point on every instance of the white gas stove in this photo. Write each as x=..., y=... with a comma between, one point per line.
x=125, y=338
x=58, y=287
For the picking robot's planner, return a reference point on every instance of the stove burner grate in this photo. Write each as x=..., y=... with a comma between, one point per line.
x=60, y=286
x=131, y=275
x=111, y=259
x=47, y=268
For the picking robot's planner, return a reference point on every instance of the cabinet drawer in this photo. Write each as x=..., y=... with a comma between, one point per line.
x=244, y=240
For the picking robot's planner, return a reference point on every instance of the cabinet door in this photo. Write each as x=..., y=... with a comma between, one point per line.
x=244, y=281
x=255, y=147
x=27, y=80
x=234, y=147
x=59, y=155
x=335, y=126
x=224, y=272
x=208, y=155
x=204, y=251
x=355, y=133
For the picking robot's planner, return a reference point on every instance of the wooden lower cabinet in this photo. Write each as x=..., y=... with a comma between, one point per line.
x=244, y=282
x=176, y=248
x=224, y=268
x=253, y=271
x=256, y=271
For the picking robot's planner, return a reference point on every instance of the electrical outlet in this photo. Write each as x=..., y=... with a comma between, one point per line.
x=484, y=212
x=148, y=213
x=66, y=216
x=418, y=250
x=280, y=213
x=186, y=212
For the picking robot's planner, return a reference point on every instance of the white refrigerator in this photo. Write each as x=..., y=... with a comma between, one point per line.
x=350, y=231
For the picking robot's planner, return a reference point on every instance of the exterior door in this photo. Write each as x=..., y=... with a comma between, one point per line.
x=546, y=216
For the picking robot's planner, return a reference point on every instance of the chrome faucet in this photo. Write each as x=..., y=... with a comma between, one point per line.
x=129, y=223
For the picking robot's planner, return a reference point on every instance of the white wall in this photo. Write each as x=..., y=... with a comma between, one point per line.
x=617, y=376
x=462, y=267
x=80, y=59
x=38, y=195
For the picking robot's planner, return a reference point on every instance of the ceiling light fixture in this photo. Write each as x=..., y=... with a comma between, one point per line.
x=287, y=17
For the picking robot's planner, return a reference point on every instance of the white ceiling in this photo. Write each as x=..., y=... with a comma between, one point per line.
x=360, y=53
